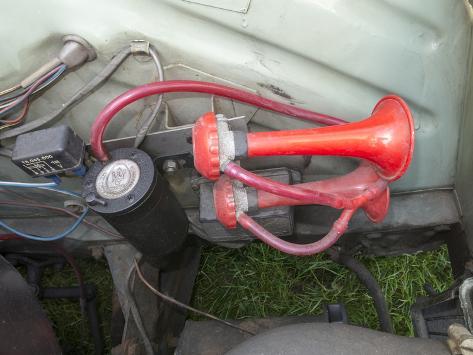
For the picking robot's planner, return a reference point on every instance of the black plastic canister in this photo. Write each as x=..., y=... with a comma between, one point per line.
x=136, y=200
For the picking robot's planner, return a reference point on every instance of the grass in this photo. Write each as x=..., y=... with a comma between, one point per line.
x=69, y=325
x=257, y=281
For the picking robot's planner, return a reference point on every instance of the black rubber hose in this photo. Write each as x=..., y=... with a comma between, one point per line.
x=367, y=279
x=91, y=308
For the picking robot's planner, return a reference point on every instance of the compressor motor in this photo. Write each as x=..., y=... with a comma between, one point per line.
x=135, y=199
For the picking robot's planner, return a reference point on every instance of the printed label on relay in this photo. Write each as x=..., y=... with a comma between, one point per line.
x=43, y=165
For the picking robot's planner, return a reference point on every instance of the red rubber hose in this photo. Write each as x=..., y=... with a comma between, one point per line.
x=156, y=88
x=296, y=193
x=10, y=236
x=351, y=185
x=355, y=188
x=339, y=227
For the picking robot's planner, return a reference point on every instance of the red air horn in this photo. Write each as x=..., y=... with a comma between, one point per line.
x=384, y=142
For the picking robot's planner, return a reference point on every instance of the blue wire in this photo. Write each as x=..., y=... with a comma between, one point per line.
x=52, y=78
x=68, y=231
x=50, y=186
x=42, y=86
x=61, y=191
x=56, y=179
x=27, y=184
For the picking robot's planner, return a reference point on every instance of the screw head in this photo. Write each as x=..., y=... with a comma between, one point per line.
x=170, y=166
x=93, y=200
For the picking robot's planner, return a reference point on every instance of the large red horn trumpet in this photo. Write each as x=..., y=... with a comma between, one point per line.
x=385, y=139
x=384, y=142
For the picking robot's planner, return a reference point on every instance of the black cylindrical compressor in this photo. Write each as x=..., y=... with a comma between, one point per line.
x=136, y=200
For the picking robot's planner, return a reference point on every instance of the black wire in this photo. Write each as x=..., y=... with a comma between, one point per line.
x=58, y=247
x=368, y=280
x=12, y=95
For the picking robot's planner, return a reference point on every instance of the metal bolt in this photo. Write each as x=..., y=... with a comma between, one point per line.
x=93, y=200
x=170, y=166
x=97, y=252
x=469, y=265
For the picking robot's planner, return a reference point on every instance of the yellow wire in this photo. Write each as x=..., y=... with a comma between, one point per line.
x=9, y=90
x=8, y=126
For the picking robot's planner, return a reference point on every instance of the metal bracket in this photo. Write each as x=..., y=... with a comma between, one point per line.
x=170, y=142
x=241, y=6
x=466, y=296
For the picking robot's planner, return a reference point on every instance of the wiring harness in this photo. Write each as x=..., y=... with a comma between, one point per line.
x=50, y=186
x=74, y=52
x=134, y=48
x=20, y=98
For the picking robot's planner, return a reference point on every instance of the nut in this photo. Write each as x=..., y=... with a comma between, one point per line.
x=170, y=166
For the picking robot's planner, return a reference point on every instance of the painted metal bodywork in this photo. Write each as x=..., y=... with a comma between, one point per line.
x=337, y=57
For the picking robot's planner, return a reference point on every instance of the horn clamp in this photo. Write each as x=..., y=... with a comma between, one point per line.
x=384, y=142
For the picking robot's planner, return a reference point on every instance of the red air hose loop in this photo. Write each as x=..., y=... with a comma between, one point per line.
x=116, y=105
x=338, y=228
x=352, y=185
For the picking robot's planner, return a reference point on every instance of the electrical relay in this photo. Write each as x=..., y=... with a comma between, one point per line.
x=49, y=151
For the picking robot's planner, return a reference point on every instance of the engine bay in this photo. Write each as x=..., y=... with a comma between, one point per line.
x=219, y=125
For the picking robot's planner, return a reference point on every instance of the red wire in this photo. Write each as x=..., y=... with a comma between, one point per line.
x=116, y=105
x=10, y=236
x=32, y=88
x=19, y=118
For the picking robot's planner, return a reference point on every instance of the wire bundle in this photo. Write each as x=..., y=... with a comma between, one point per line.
x=51, y=186
x=15, y=97
x=86, y=90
